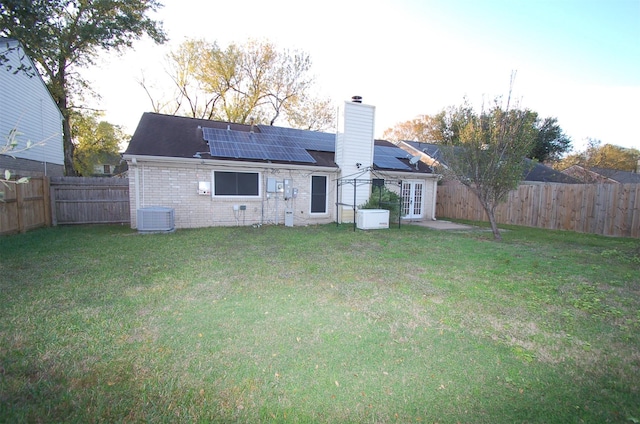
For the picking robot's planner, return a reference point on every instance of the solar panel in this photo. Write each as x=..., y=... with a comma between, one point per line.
x=395, y=152
x=224, y=149
x=292, y=154
x=252, y=151
x=387, y=157
x=247, y=145
x=389, y=162
x=309, y=140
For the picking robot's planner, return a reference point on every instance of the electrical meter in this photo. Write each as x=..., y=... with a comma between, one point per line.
x=288, y=188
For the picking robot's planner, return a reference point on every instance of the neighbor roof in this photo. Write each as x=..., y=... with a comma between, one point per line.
x=538, y=172
x=182, y=137
x=543, y=173
x=623, y=177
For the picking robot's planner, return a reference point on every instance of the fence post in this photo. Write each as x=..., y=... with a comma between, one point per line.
x=20, y=208
x=46, y=200
x=52, y=203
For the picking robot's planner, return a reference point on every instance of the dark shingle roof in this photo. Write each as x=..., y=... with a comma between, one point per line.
x=538, y=172
x=181, y=137
x=545, y=174
x=623, y=177
x=172, y=136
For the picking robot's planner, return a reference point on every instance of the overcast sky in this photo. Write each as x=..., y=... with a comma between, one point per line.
x=577, y=60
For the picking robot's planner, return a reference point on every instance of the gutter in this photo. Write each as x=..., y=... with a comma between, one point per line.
x=137, y=159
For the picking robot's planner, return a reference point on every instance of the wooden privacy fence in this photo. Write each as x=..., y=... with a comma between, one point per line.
x=25, y=206
x=605, y=209
x=80, y=200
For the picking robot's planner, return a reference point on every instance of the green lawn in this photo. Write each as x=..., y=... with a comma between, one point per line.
x=319, y=324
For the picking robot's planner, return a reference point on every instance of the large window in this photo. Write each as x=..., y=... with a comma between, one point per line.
x=235, y=183
x=318, y=194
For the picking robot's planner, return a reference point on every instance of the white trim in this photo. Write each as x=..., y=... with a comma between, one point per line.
x=227, y=163
x=326, y=195
x=412, y=187
x=230, y=196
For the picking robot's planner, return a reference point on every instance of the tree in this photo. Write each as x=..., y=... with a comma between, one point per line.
x=488, y=155
x=441, y=128
x=312, y=114
x=96, y=142
x=597, y=155
x=63, y=36
x=445, y=126
x=423, y=128
x=551, y=142
x=242, y=82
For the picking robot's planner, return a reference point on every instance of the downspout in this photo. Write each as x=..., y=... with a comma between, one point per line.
x=136, y=178
x=435, y=199
x=355, y=197
x=338, y=202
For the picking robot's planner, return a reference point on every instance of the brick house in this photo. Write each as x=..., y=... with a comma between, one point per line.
x=213, y=173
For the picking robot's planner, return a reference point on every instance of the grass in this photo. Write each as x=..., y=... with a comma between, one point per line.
x=318, y=324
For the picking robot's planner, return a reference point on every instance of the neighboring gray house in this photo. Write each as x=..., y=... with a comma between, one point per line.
x=603, y=175
x=212, y=173
x=539, y=173
x=27, y=105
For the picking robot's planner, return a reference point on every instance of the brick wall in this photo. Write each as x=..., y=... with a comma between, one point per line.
x=175, y=186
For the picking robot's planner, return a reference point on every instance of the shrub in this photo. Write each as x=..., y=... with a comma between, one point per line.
x=383, y=198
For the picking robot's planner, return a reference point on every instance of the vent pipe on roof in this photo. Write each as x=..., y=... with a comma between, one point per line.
x=356, y=99
x=228, y=127
x=251, y=121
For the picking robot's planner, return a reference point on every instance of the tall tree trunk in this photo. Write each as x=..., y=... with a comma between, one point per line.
x=59, y=91
x=69, y=147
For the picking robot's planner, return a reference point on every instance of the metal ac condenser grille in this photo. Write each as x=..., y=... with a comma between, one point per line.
x=155, y=219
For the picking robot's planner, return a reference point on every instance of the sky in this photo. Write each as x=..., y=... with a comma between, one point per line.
x=575, y=60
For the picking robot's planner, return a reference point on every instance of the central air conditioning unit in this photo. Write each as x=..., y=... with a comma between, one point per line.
x=155, y=219
x=372, y=219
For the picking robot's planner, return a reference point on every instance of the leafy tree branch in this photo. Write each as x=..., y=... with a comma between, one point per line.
x=488, y=154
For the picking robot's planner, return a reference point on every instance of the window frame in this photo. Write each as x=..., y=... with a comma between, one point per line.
x=236, y=196
x=326, y=195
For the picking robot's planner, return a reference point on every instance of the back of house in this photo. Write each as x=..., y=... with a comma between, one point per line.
x=209, y=173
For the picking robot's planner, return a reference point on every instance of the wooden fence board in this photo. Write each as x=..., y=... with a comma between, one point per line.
x=64, y=200
x=25, y=206
x=606, y=209
x=79, y=200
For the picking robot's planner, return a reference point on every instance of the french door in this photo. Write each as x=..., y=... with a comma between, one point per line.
x=412, y=199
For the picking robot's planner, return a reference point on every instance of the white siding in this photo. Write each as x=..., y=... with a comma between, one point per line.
x=354, y=145
x=25, y=104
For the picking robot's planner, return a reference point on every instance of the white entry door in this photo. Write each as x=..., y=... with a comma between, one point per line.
x=412, y=199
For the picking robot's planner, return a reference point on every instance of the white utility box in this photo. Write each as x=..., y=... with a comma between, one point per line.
x=372, y=219
x=288, y=217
